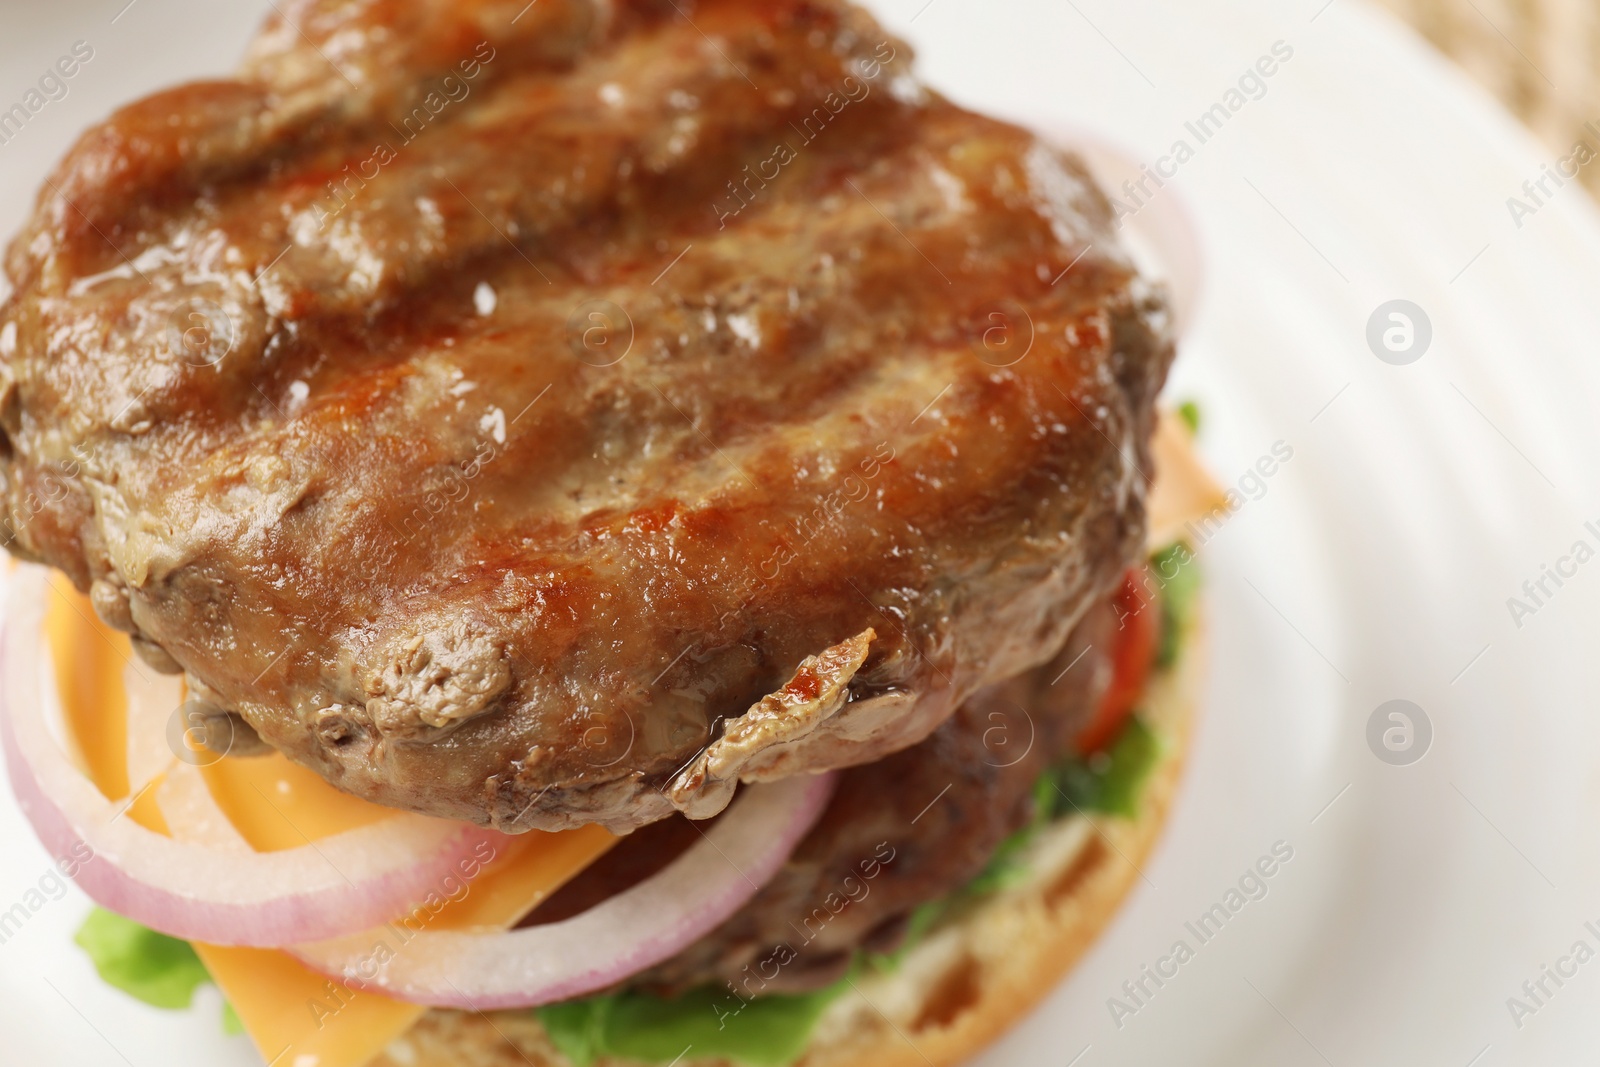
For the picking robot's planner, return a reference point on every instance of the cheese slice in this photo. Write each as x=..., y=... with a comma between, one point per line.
x=89, y=658
x=276, y=804
x=295, y=1017
x=306, y=1020
x=1183, y=492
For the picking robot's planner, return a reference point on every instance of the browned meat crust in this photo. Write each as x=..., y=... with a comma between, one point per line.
x=490, y=410
x=910, y=828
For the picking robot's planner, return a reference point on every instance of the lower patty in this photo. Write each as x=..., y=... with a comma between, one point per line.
x=900, y=832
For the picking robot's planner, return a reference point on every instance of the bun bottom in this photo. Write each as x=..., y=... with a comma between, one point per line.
x=967, y=981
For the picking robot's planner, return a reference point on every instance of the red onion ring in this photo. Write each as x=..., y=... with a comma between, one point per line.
x=614, y=940
x=350, y=881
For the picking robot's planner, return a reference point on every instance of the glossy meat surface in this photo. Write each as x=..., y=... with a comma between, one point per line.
x=554, y=417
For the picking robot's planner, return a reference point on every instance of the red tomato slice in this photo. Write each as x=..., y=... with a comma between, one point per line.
x=1133, y=653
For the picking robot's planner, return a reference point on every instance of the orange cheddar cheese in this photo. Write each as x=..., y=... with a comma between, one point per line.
x=295, y=1016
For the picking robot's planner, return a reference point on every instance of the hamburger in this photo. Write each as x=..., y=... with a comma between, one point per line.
x=589, y=533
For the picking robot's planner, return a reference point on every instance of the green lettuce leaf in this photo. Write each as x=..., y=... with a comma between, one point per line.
x=1175, y=568
x=1189, y=412
x=162, y=971
x=768, y=1031
x=1108, y=781
x=1009, y=864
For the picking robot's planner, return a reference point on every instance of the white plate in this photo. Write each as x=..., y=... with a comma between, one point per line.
x=1375, y=565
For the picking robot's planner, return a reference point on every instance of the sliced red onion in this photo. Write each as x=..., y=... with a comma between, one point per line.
x=614, y=940
x=152, y=699
x=193, y=814
x=350, y=881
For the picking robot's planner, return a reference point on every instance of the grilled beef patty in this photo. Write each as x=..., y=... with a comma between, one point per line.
x=558, y=414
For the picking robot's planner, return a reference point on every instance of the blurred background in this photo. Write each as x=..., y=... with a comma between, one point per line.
x=1538, y=56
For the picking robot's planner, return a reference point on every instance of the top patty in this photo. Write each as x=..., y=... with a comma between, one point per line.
x=557, y=417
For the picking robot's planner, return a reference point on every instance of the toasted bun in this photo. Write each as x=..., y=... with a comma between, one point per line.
x=959, y=988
